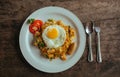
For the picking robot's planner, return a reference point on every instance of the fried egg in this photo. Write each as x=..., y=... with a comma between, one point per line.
x=54, y=36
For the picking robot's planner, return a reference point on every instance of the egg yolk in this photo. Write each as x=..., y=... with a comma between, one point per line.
x=52, y=33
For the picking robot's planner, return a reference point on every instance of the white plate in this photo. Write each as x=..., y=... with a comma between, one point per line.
x=32, y=54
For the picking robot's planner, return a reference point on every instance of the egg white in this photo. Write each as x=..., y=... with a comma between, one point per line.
x=57, y=42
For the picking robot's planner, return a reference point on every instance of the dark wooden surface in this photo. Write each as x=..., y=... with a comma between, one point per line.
x=106, y=14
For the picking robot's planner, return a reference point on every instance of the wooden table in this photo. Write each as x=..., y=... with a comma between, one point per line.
x=105, y=13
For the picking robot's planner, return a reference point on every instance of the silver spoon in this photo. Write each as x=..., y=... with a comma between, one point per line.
x=89, y=30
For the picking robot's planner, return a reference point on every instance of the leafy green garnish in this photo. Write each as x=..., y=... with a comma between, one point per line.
x=30, y=21
x=41, y=44
x=50, y=20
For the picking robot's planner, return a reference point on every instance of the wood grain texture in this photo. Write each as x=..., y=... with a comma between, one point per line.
x=105, y=13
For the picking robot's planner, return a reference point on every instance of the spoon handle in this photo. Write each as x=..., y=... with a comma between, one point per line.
x=99, y=58
x=90, y=54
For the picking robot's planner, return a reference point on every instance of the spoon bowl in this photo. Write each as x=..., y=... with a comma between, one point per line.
x=89, y=28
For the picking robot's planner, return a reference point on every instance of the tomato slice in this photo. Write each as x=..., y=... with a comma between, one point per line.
x=33, y=28
x=37, y=23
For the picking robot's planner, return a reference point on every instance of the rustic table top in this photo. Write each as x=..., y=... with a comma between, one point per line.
x=105, y=13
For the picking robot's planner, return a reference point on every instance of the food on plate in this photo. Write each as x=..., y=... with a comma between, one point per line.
x=54, y=39
x=35, y=25
x=30, y=20
x=71, y=48
x=54, y=36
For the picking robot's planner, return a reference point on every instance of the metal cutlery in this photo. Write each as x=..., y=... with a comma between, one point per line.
x=89, y=30
x=97, y=30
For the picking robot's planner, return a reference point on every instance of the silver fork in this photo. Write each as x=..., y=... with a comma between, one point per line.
x=97, y=30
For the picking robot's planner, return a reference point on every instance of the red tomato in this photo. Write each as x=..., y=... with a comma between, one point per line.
x=37, y=23
x=33, y=28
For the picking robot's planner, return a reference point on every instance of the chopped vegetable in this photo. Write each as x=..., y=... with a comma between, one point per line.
x=30, y=21
x=41, y=44
x=50, y=20
x=35, y=25
x=33, y=28
x=38, y=23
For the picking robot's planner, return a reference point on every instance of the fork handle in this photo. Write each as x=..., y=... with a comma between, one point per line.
x=90, y=54
x=99, y=58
